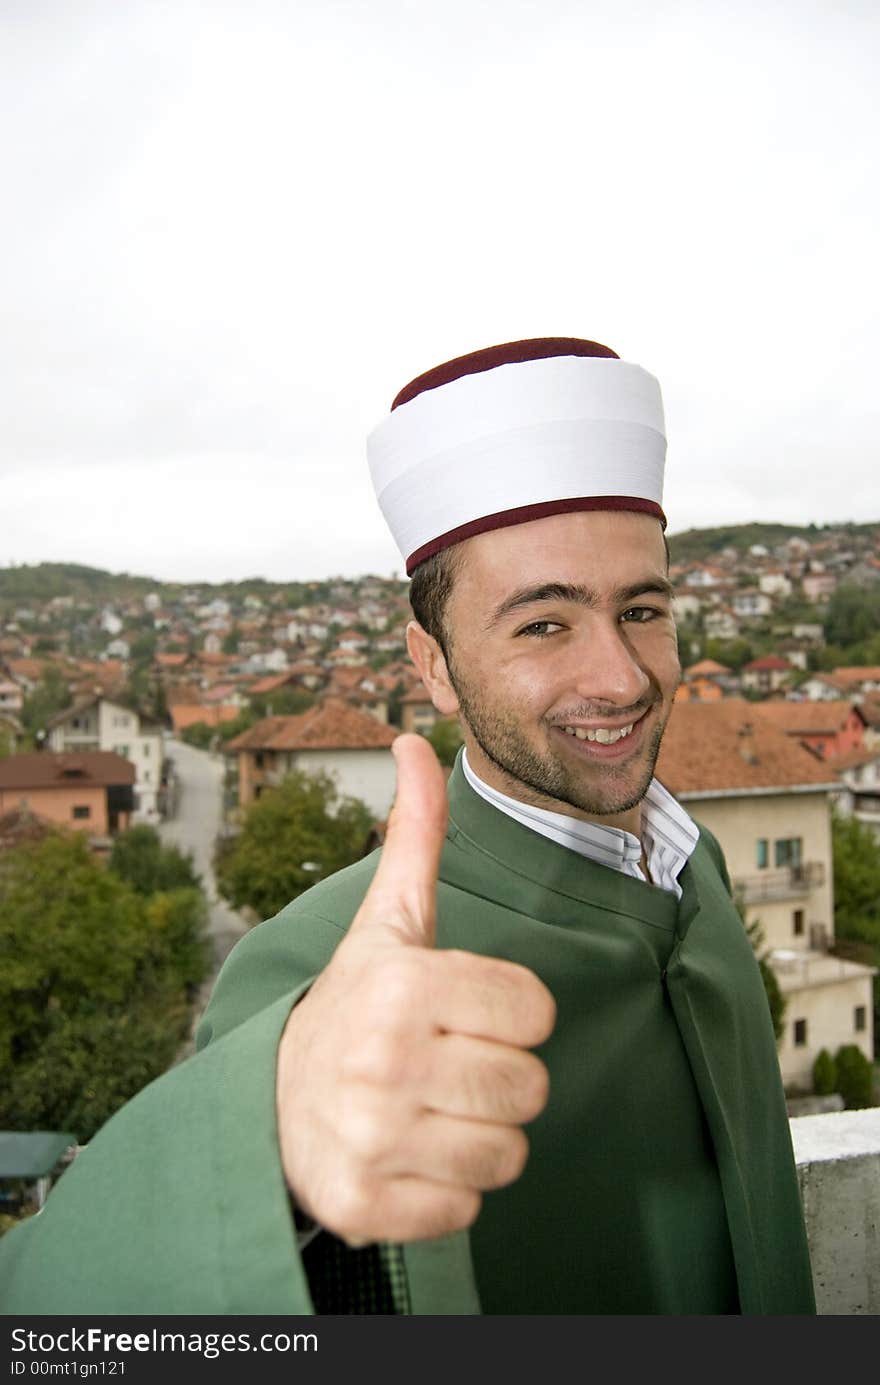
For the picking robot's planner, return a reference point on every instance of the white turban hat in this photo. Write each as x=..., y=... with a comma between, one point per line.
x=513, y=433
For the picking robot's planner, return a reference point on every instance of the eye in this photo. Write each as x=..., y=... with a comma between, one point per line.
x=640, y=615
x=540, y=629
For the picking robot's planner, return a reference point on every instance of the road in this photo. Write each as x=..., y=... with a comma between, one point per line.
x=193, y=828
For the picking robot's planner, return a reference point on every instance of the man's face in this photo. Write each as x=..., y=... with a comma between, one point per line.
x=563, y=660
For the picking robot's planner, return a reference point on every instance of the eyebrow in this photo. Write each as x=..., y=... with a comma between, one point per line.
x=578, y=595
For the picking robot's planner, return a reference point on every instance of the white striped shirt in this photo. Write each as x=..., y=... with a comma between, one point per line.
x=669, y=835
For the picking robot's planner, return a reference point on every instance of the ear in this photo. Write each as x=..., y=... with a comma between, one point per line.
x=428, y=658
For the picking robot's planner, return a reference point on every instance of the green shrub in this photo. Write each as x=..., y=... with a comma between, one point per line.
x=824, y=1074
x=855, y=1077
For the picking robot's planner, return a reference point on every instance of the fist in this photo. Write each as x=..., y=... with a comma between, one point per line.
x=404, y=1075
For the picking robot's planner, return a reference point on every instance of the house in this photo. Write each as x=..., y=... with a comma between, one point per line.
x=767, y=800
x=704, y=577
x=685, y=606
x=26, y=672
x=818, y=587
x=775, y=583
x=721, y=624
x=710, y=669
x=859, y=775
x=174, y=662
x=91, y=791
x=417, y=711
x=698, y=689
x=870, y=710
x=352, y=641
x=830, y=729
x=767, y=674
x=820, y=687
x=749, y=602
x=857, y=681
x=332, y=736
x=11, y=697
x=101, y=723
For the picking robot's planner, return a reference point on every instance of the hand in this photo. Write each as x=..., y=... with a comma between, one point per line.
x=404, y=1075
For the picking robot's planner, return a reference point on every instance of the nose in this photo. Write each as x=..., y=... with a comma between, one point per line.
x=608, y=668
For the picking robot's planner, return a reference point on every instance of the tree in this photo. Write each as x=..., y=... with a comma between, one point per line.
x=856, y=853
x=301, y=824
x=775, y=999
x=446, y=738
x=824, y=1074
x=139, y=857
x=855, y=1077
x=96, y=985
x=50, y=696
x=852, y=615
x=199, y=734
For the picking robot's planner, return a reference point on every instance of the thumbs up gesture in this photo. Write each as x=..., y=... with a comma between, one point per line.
x=404, y=1075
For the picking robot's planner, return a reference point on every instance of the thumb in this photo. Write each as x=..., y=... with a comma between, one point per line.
x=402, y=897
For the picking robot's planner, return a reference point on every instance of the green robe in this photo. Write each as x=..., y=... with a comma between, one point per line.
x=660, y=1179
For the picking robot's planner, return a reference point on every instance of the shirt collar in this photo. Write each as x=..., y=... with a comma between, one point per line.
x=666, y=828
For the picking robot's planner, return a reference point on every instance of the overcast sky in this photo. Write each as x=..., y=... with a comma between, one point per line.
x=232, y=231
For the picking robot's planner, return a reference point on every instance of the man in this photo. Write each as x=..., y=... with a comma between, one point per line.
x=525, y=1062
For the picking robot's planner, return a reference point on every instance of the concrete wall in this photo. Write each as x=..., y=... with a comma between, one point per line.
x=838, y=1164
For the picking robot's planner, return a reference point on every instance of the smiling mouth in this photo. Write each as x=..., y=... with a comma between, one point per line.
x=603, y=735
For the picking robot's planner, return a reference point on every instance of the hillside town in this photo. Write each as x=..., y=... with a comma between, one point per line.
x=775, y=725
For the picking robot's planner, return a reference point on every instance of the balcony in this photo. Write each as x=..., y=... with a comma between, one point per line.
x=789, y=882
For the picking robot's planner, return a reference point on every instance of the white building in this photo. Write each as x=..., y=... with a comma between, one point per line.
x=97, y=723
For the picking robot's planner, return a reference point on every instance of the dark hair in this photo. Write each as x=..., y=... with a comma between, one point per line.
x=429, y=591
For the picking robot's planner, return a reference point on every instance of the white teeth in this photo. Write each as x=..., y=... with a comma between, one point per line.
x=602, y=734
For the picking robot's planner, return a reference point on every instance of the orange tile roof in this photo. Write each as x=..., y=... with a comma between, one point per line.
x=708, y=667
x=704, y=752
x=271, y=682
x=805, y=718
x=347, y=676
x=190, y=714
x=849, y=677
x=768, y=662
x=418, y=694
x=27, y=668
x=179, y=693
x=329, y=725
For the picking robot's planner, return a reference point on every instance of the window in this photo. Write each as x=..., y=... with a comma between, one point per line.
x=762, y=853
x=861, y=1018
x=788, y=851
x=798, y=922
x=121, y=750
x=82, y=810
x=146, y=747
x=800, y=1033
